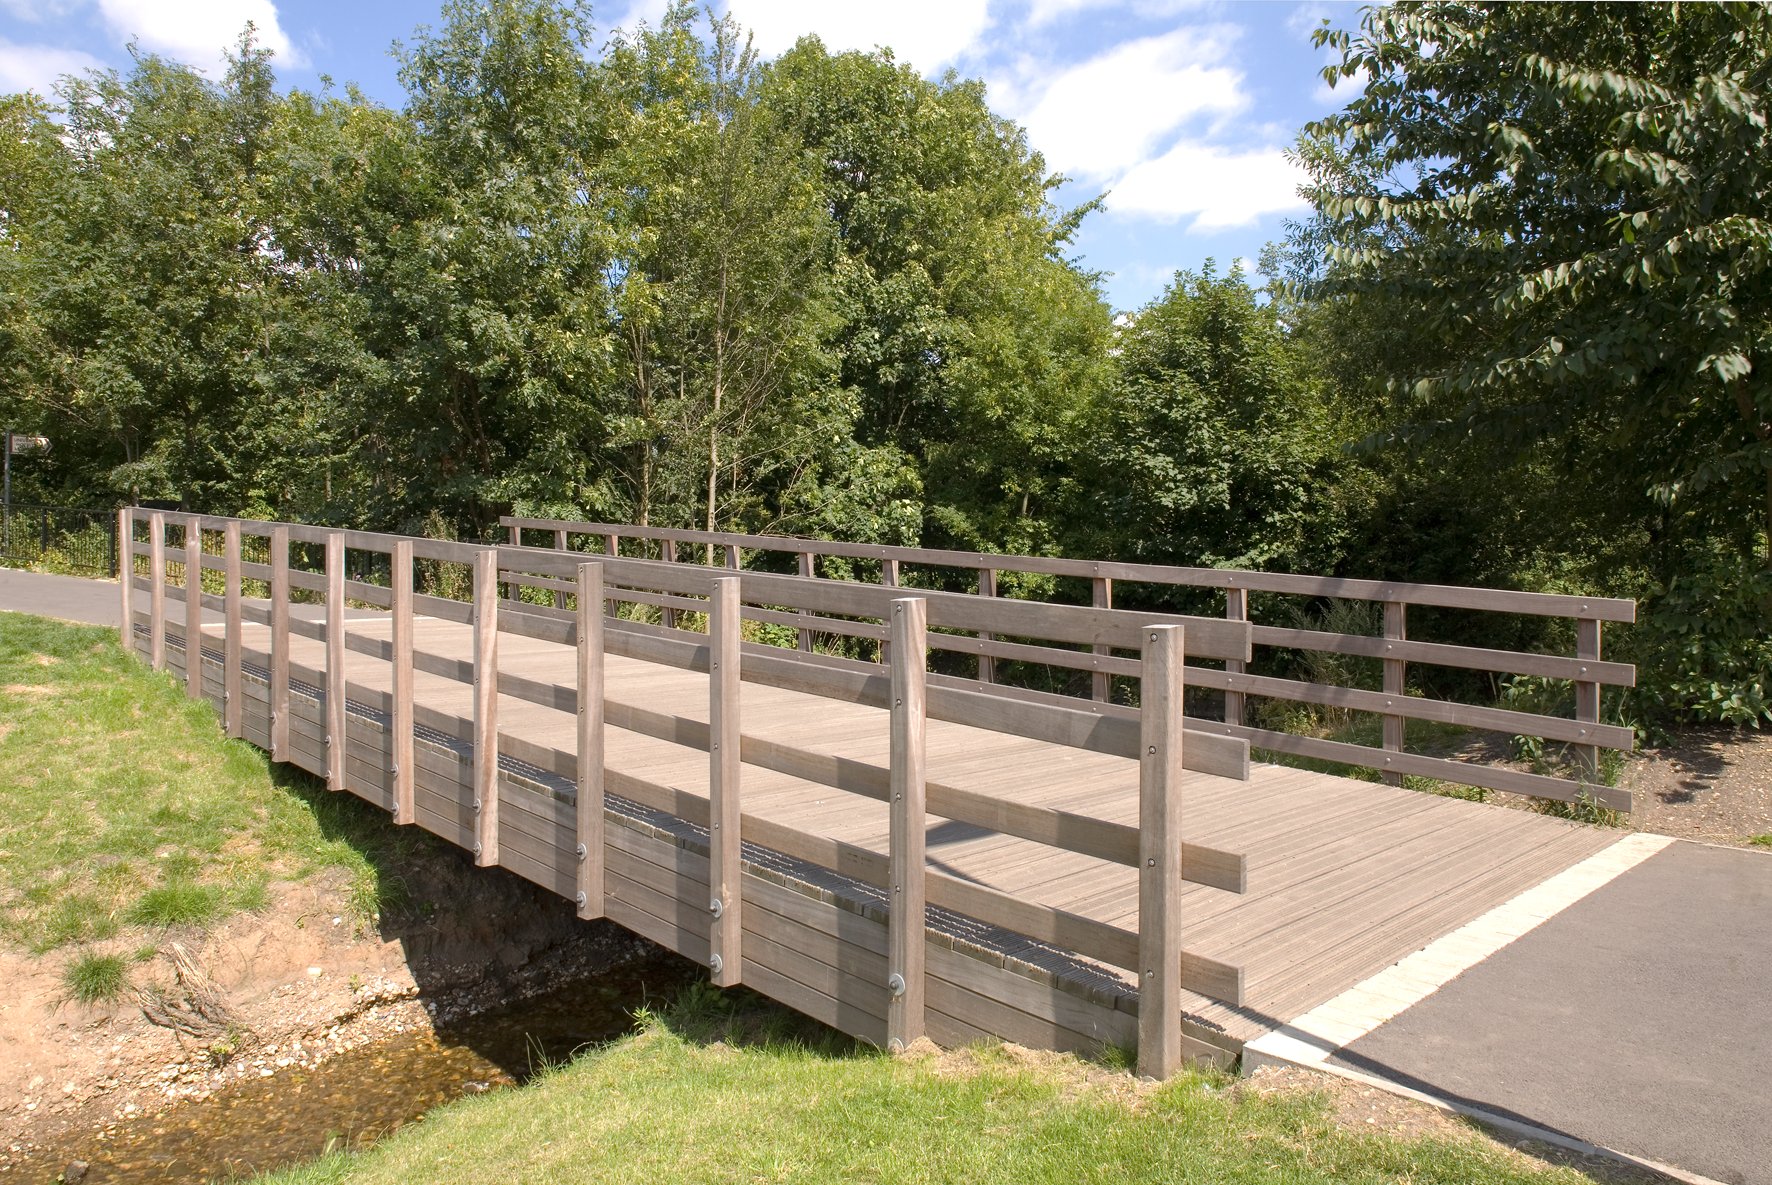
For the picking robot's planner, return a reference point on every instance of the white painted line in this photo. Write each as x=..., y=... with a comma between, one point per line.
x=1311, y=1039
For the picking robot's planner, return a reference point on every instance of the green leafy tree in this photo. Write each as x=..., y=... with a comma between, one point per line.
x=972, y=343
x=1571, y=199
x=1214, y=445
x=724, y=292
x=481, y=245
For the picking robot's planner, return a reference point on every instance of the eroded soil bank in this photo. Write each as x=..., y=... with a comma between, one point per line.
x=337, y=1027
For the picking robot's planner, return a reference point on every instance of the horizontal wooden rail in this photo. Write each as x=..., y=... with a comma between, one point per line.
x=1444, y=596
x=980, y=635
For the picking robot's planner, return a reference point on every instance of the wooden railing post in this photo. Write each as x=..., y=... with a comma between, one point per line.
x=193, y=608
x=157, y=590
x=725, y=875
x=889, y=578
x=126, y=577
x=512, y=590
x=906, y=915
x=486, y=707
x=1102, y=597
x=734, y=557
x=588, y=809
x=803, y=636
x=335, y=661
x=667, y=552
x=560, y=545
x=1236, y=608
x=1396, y=671
x=233, y=694
x=279, y=643
x=1587, y=694
x=405, y=775
x=987, y=587
x=1159, y=851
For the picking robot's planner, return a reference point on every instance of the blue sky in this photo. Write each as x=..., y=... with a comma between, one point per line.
x=1178, y=109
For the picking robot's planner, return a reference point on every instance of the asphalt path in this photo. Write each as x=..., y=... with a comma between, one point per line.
x=70, y=598
x=1639, y=1019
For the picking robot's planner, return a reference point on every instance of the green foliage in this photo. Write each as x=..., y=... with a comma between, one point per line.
x=1214, y=446
x=92, y=978
x=1568, y=202
x=1705, y=647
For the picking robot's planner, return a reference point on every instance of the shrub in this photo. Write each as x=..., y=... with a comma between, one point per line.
x=96, y=979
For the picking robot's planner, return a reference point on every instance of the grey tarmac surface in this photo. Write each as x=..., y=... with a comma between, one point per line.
x=1639, y=1019
x=70, y=598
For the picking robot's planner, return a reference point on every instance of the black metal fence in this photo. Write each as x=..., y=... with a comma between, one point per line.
x=59, y=539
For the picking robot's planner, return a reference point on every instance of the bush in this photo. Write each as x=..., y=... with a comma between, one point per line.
x=1703, y=646
x=96, y=979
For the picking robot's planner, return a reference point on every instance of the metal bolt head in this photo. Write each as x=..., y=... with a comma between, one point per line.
x=583, y=852
x=716, y=964
x=581, y=899
x=1150, y=862
x=895, y=984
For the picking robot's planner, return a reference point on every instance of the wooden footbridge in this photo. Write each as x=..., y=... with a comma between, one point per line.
x=650, y=723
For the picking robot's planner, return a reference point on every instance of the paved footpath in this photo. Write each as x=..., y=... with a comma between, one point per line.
x=70, y=598
x=1635, y=1013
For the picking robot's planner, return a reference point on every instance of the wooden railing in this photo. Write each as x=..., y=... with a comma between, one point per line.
x=581, y=594
x=989, y=635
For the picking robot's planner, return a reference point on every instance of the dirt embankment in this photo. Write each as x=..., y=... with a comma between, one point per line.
x=294, y=983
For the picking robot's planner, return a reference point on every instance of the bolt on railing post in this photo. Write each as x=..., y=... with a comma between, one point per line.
x=157, y=590
x=126, y=578
x=1396, y=670
x=405, y=775
x=1236, y=608
x=1102, y=597
x=486, y=707
x=1159, y=852
x=1587, y=694
x=233, y=694
x=589, y=800
x=279, y=643
x=906, y=914
x=335, y=661
x=725, y=850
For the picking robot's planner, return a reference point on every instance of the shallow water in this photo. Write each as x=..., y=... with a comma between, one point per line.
x=358, y=1097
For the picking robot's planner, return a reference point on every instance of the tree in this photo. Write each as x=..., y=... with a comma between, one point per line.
x=724, y=288
x=1571, y=198
x=480, y=251
x=1214, y=445
x=170, y=301
x=972, y=343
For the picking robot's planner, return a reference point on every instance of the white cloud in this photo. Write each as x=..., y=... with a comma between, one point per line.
x=1108, y=113
x=198, y=32
x=1220, y=188
x=925, y=34
x=36, y=67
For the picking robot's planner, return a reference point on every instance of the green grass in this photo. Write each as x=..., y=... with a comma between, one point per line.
x=94, y=978
x=126, y=805
x=702, y=1098
x=1761, y=841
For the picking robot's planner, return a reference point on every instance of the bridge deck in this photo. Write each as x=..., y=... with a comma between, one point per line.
x=1344, y=877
